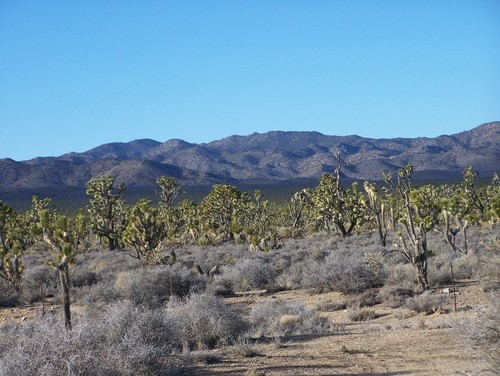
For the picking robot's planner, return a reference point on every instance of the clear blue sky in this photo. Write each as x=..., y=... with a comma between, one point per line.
x=77, y=74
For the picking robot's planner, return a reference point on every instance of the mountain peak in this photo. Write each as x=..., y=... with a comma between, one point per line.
x=270, y=156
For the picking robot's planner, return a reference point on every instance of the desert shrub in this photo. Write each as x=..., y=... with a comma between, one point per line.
x=8, y=296
x=341, y=271
x=36, y=275
x=482, y=335
x=274, y=318
x=208, y=257
x=361, y=314
x=122, y=339
x=245, y=347
x=425, y=303
x=439, y=269
x=401, y=276
x=367, y=298
x=83, y=277
x=395, y=297
x=291, y=277
x=487, y=271
x=331, y=306
x=204, y=321
x=103, y=292
x=152, y=285
x=249, y=274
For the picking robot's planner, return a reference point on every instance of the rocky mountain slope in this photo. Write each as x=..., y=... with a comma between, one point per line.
x=260, y=158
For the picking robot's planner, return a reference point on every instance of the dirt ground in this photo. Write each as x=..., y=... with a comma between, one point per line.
x=397, y=342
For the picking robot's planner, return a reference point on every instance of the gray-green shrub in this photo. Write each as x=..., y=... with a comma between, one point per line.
x=153, y=285
x=204, y=321
x=275, y=318
x=122, y=339
x=249, y=274
x=340, y=271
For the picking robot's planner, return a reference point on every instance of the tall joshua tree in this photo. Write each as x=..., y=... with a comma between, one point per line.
x=419, y=216
x=10, y=251
x=107, y=210
x=65, y=237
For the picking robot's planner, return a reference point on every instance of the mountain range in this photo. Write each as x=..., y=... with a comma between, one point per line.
x=276, y=156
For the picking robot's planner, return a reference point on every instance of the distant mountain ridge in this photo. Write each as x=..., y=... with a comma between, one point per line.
x=266, y=157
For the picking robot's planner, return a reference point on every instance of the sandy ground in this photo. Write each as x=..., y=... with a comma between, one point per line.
x=397, y=342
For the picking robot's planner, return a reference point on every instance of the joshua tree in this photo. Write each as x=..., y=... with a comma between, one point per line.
x=420, y=215
x=336, y=205
x=107, y=210
x=218, y=209
x=144, y=232
x=65, y=237
x=10, y=251
x=375, y=207
x=170, y=190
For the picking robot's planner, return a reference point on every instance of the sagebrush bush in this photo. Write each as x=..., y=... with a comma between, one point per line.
x=341, y=271
x=153, y=285
x=401, y=276
x=249, y=274
x=275, y=318
x=367, y=298
x=393, y=296
x=244, y=347
x=482, y=335
x=331, y=306
x=425, y=302
x=361, y=314
x=439, y=269
x=37, y=276
x=204, y=321
x=122, y=339
x=291, y=277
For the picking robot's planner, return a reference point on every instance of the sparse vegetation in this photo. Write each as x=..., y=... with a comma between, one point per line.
x=425, y=303
x=150, y=313
x=361, y=314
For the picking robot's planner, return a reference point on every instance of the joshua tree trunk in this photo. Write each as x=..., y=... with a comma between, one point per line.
x=421, y=267
x=63, y=269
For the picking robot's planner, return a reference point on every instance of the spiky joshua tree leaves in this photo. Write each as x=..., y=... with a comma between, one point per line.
x=144, y=232
x=169, y=191
x=375, y=208
x=107, y=210
x=420, y=215
x=336, y=206
x=218, y=209
x=10, y=250
x=65, y=237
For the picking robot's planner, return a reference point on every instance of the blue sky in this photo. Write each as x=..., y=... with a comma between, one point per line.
x=77, y=74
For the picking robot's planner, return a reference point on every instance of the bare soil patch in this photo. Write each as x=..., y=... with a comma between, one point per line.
x=397, y=342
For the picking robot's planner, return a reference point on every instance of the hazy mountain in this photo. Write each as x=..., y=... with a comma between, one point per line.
x=266, y=157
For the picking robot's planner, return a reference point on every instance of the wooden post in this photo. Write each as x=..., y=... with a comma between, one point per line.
x=453, y=286
x=42, y=296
